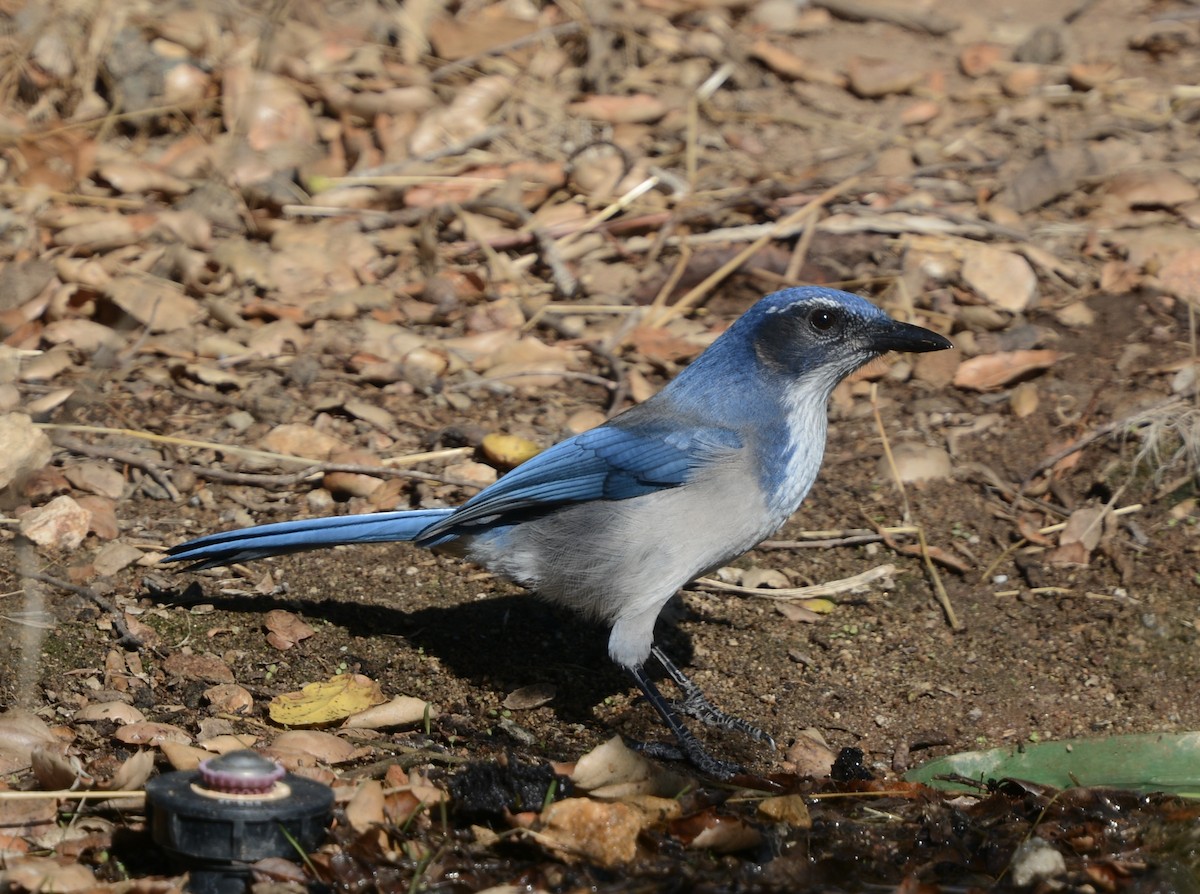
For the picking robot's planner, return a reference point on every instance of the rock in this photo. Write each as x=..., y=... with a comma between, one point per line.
x=60, y=524
x=115, y=556
x=1002, y=278
x=871, y=78
x=1035, y=860
x=23, y=448
x=97, y=478
x=1041, y=47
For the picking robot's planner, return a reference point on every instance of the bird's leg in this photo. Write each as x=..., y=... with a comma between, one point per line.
x=694, y=704
x=689, y=745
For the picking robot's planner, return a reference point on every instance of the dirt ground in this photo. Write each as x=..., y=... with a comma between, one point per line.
x=1059, y=136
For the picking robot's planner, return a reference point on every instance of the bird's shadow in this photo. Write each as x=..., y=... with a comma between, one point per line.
x=499, y=643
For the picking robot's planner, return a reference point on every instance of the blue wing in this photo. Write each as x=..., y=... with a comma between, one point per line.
x=616, y=461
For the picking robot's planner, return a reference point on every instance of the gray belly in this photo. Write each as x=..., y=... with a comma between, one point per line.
x=610, y=559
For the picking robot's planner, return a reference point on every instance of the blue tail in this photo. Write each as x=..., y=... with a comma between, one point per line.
x=289, y=537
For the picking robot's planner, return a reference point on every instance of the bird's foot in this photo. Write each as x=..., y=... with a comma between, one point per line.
x=694, y=704
x=691, y=752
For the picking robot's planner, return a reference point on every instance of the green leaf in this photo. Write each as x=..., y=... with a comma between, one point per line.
x=1152, y=762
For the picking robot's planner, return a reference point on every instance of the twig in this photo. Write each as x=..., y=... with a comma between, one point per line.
x=232, y=449
x=566, y=374
x=800, y=252
x=903, y=15
x=923, y=549
x=712, y=280
x=127, y=639
x=791, y=594
x=1094, y=435
x=605, y=213
x=68, y=795
x=566, y=29
x=100, y=451
x=888, y=455
x=564, y=280
x=316, y=470
x=619, y=386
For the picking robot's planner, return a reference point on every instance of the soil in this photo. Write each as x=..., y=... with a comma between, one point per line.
x=1041, y=650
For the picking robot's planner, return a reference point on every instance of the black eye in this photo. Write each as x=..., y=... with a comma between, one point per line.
x=824, y=319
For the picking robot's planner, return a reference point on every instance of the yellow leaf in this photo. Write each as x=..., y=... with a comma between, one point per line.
x=508, y=450
x=330, y=700
x=818, y=605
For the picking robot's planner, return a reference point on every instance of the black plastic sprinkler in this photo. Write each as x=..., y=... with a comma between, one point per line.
x=234, y=810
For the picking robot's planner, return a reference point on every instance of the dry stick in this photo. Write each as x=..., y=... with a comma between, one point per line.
x=246, y=452
x=1084, y=440
x=68, y=795
x=118, y=621
x=316, y=470
x=792, y=594
x=842, y=537
x=566, y=29
x=605, y=213
x=701, y=94
x=800, y=252
x=939, y=588
x=660, y=300
x=151, y=468
x=710, y=282
x=894, y=14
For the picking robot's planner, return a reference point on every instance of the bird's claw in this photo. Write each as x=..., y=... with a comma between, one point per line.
x=695, y=705
x=692, y=753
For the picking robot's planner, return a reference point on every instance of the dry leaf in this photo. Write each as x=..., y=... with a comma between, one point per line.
x=990, y=372
x=638, y=108
x=789, y=65
x=1024, y=400
x=403, y=710
x=156, y=304
x=98, y=478
x=606, y=834
x=285, y=629
x=56, y=771
x=133, y=773
x=52, y=875
x=810, y=756
x=311, y=744
x=364, y=810
x=183, y=757
x=192, y=666
x=917, y=462
x=150, y=733
x=229, y=698
x=612, y=770
x=788, y=809
x=117, y=712
x=1162, y=188
x=1085, y=530
x=714, y=831
x=466, y=116
x=529, y=697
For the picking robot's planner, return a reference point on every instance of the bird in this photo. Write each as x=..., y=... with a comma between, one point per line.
x=613, y=521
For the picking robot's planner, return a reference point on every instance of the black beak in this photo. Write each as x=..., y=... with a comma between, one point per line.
x=910, y=338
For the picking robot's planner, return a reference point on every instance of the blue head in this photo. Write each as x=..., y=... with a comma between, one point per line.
x=809, y=338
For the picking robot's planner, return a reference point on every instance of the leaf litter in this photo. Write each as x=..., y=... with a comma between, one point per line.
x=255, y=267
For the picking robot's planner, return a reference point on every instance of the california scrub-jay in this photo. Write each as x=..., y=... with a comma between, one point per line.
x=614, y=521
